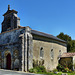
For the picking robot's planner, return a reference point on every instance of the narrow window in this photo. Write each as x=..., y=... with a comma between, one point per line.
x=41, y=52
x=8, y=23
x=59, y=53
x=52, y=54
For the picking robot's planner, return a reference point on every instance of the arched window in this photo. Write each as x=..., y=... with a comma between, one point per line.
x=41, y=52
x=16, y=54
x=59, y=52
x=8, y=23
x=52, y=54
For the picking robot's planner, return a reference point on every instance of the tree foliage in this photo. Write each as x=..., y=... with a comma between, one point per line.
x=70, y=42
x=64, y=37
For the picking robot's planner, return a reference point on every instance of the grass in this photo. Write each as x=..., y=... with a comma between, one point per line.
x=71, y=73
x=51, y=73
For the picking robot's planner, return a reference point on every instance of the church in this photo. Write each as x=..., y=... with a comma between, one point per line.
x=22, y=48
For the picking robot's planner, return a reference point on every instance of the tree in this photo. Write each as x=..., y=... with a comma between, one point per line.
x=64, y=37
x=70, y=42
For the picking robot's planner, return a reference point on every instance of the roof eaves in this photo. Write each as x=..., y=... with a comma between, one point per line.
x=46, y=35
x=12, y=30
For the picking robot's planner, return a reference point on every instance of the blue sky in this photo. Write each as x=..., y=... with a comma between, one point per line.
x=49, y=16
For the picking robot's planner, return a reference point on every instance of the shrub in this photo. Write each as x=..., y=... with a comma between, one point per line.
x=31, y=70
x=42, y=68
x=70, y=65
x=38, y=69
x=66, y=69
x=35, y=70
x=63, y=69
x=60, y=67
x=55, y=70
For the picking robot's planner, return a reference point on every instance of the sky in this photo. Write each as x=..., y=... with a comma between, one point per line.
x=49, y=16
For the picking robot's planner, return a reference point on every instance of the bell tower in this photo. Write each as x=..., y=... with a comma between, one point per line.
x=11, y=20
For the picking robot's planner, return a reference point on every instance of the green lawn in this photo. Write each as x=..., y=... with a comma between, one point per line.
x=57, y=74
x=71, y=73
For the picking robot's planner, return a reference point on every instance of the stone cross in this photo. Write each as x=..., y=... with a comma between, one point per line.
x=8, y=7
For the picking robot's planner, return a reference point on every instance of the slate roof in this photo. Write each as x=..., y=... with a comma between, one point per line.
x=46, y=35
x=67, y=55
x=39, y=34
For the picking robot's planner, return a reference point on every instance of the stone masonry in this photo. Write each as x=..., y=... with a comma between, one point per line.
x=21, y=47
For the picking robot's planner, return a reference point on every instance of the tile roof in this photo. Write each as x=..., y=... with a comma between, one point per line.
x=12, y=30
x=67, y=55
x=46, y=35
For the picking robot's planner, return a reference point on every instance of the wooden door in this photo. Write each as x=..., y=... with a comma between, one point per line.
x=8, y=61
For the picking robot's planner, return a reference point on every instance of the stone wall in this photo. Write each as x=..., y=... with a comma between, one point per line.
x=27, y=48
x=10, y=43
x=11, y=36
x=73, y=63
x=17, y=43
x=11, y=21
x=47, y=45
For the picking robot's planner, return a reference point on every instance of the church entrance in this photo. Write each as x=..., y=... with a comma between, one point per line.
x=8, y=61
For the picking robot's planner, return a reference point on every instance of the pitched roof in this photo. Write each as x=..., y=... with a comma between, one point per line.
x=10, y=11
x=46, y=35
x=67, y=55
x=39, y=33
x=20, y=27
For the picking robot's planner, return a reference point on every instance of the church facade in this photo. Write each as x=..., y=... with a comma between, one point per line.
x=23, y=48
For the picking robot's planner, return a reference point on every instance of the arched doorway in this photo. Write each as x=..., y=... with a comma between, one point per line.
x=8, y=61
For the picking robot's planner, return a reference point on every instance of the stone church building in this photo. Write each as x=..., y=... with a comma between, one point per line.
x=22, y=48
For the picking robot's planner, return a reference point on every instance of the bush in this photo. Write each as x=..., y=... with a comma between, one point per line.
x=35, y=70
x=70, y=65
x=60, y=67
x=63, y=69
x=55, y=70
x=38, y=69
x=42, y=68
x=31, y=70
x=67, y=70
